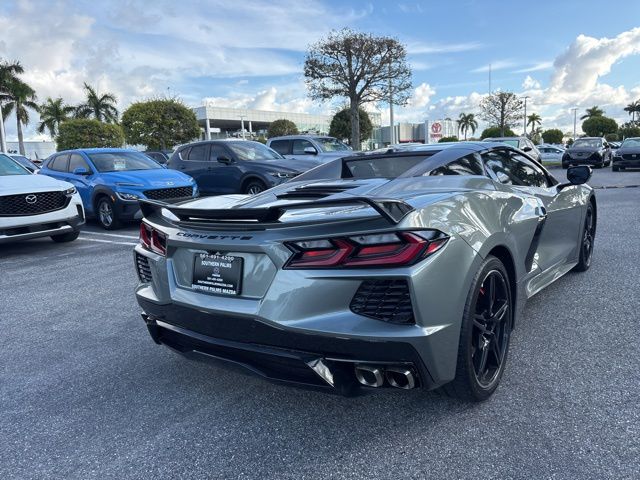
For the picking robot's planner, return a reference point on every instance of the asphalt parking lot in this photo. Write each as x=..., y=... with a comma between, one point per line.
x=85, y=393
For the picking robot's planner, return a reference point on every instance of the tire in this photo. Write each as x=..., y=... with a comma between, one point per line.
x=615, y=169
x=254, y=187
x=565, y=165
x=484, y=325
x=587, y=240
x=106, y=214
x=65, y=237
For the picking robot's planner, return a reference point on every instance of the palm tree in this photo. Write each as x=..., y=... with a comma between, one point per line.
x=466, y=122
x=632, y=109
x=534, y=120
x=101, y=107
x=8, y=74
x=18, y=98
x=52, y=114
x=594, y=111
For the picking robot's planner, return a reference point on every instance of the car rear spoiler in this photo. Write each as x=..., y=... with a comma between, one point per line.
x=391, y=210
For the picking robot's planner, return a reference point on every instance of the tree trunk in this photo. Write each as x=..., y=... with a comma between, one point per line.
x=20, y=135
x=355, y=125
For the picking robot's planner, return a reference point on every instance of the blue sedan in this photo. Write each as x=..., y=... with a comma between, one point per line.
x=112, y=180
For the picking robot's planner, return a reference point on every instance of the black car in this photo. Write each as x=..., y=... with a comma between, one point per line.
x=628, y=155
x=236, y=166
x=588, y=151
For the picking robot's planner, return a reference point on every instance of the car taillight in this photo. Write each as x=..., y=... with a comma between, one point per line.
x=377, y=250
x=153, y=239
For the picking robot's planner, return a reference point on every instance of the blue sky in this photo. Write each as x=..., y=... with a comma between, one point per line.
x=249, y=54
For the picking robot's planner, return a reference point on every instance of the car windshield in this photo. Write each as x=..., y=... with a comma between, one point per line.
x=329, y=144
x=24, y=161
x=587, y=143
x=513, y=143
x=10, y=167
x=122, y=161
x=253, y=151
x=631, y=142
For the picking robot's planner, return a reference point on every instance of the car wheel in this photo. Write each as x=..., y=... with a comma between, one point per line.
x=485, y=334
x=65, y=237
x=586, y=241
x=254, y=187
x=615, y=169
x=107, y=216
x=565, y=165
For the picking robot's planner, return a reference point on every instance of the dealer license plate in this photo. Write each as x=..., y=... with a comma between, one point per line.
x=217, y=274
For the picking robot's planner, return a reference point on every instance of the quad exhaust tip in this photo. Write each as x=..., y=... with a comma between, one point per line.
x=400, y=377
x=375, y=376
x=369, y=375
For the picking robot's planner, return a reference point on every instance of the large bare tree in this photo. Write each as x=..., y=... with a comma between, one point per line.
x=501, y=109
x=360, y=67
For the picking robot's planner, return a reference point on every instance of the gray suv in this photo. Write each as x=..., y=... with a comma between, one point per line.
x=521, y=143
x=302, y=147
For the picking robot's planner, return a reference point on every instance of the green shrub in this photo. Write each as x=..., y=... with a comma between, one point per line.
x=85, y=133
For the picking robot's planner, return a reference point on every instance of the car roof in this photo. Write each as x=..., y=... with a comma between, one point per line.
x=98, y=150
x=491, y=139
x=300, y=137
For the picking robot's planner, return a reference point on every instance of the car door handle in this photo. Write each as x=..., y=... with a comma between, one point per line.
x=542, y=213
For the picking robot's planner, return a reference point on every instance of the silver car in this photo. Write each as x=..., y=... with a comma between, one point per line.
x=304, y=147
x=394, y=270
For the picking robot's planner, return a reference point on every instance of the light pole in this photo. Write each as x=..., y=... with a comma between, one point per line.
x=575, y=113
x=242, y=117
x=524, y=124
x=3, y=138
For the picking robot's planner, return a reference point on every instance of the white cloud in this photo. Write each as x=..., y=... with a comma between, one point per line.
x=493, y=66
x=417, y=48
x=536, y=67
x=529, y=83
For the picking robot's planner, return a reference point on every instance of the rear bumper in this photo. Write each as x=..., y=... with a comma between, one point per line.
x=274, y=353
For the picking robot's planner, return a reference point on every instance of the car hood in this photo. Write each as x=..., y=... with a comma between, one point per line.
x=416, y=192
x=628, y=150
x=16, y=184
x=158, y=178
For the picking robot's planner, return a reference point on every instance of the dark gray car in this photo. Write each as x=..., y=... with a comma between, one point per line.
x=628, y=155
x=398, y=270
x=588, y=151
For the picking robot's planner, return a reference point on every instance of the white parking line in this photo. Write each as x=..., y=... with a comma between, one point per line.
x=106, y=241
x=109, y=234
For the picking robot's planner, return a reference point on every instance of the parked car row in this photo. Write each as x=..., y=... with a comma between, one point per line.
x=110, y=182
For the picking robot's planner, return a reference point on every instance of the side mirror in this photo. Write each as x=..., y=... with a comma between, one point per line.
x=81, y=171
x=225, y=160
x=577, y=175
x=310, y=151
x=527, y=149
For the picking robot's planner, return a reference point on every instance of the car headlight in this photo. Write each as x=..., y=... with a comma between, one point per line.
x=617, y=155
x=127, y=196
x=283, y=174
x=70, y=191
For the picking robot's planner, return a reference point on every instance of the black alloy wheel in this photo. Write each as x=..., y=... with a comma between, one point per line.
x=587, y=240
x=491, y=328
x=484, y=335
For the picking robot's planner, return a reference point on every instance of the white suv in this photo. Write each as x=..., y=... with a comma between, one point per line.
x=36, y=205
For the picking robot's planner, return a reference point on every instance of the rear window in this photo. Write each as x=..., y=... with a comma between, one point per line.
x=385, y=167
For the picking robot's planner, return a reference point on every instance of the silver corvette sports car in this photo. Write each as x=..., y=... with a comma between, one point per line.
x=403, y=269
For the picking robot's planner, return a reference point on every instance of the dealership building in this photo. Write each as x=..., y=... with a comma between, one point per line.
x=223, y=122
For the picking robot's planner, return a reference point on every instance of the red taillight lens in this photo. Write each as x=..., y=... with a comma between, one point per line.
x=145, y=235
x=153, y=239
x=378, y=250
